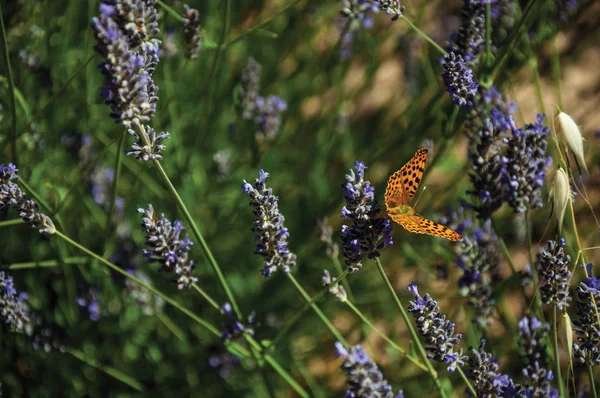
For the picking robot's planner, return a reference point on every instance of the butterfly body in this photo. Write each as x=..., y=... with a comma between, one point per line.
x=401, y=188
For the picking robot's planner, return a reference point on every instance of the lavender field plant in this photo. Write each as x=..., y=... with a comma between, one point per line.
x=193, y=198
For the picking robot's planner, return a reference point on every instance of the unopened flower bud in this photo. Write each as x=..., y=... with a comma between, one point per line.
x=560, y=195
x=572, y=136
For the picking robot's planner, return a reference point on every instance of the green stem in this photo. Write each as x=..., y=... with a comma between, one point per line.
x=169, y=10
x=466, y=380
x=172, y=326
x=289, y=324
x=260, y=24
x=423, y=35
x=502, y=56
x=326, y=321
x=537, y=303
x=7, y=223
x=48, y=263
x=340, y=271
x=592, y=382
x=556, y=70
x=205, y=295
x=411, y=329
x=11, y=89
x=169, y=300
x=386, y=338
x=115, y=183
x=117, y=374
x=205, y=249
x=533, y=64
x=286, y=376
x=488, y=33
x=561, y=385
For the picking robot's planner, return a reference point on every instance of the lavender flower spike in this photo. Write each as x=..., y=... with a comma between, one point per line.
x=365, y=380
x=247, y=93
x=191, y=31
x=526, y=160
x=532, y=333
x=148, y=144
x=367, y=233
x=458, y=79
x=436, y=330
x=552, y=264
x=167, y=248
x=268, y=120
x=587, y=349
x=125, y=32
x=392, y=7
x=271, y=235
x=14, y=312
x=486, y=378
x=12, y=196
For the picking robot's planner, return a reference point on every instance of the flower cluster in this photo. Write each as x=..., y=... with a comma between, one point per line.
x=391, y=7
x=526, y=160
x=14, y=312
x=224, y=363
x=367, y=233
x=487, y=168
x=365, y=380
x=532, y=333
x=436, y=330
x=479, y=261
x=485, y=376
x=12, y=196
x=586, y=324
x=458, y=79
x=469, y=40
x=552, y=265
x=167, y=248
x=148, y=144
x=335, y=289
x=268, y=120
x=147, y=301
x=357, y=13
x=271, y=235
x=247, y=93
x=126, y=33
x=91, y=302
x=191, y=31
x=236, y=327
x=326, y=236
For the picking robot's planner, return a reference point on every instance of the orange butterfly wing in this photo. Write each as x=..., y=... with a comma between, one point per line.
x=420, y=225
x=403, y=184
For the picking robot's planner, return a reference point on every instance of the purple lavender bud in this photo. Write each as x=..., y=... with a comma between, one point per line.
x=167, y=248
x=247, y=93
x=271, y=235
x=150, y=151
x=12, y=196
x=365, y=380
x=483, y=371
x=14, y=312
x=391, y=7
x=436, y=330
x=235, y=328
x=585, y=324
x=126, y=33
x=526, y=160
x=191, y=31
x=552, y=264
x=469, y=41
x=532, y=333
x=268, y=120
x=224, y=363
x=458, y=79
x=368, y=233
x=335, y=289
x=91, y=302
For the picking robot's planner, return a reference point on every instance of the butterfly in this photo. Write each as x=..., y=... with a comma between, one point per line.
x=401, y=188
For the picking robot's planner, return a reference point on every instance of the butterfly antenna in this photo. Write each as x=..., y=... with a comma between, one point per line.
x=419, y=197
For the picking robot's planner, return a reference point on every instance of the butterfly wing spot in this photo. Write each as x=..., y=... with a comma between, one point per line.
x=420, y=225
x=412, y=173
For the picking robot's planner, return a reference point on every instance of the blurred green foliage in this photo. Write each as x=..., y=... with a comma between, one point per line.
x=379, y=106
